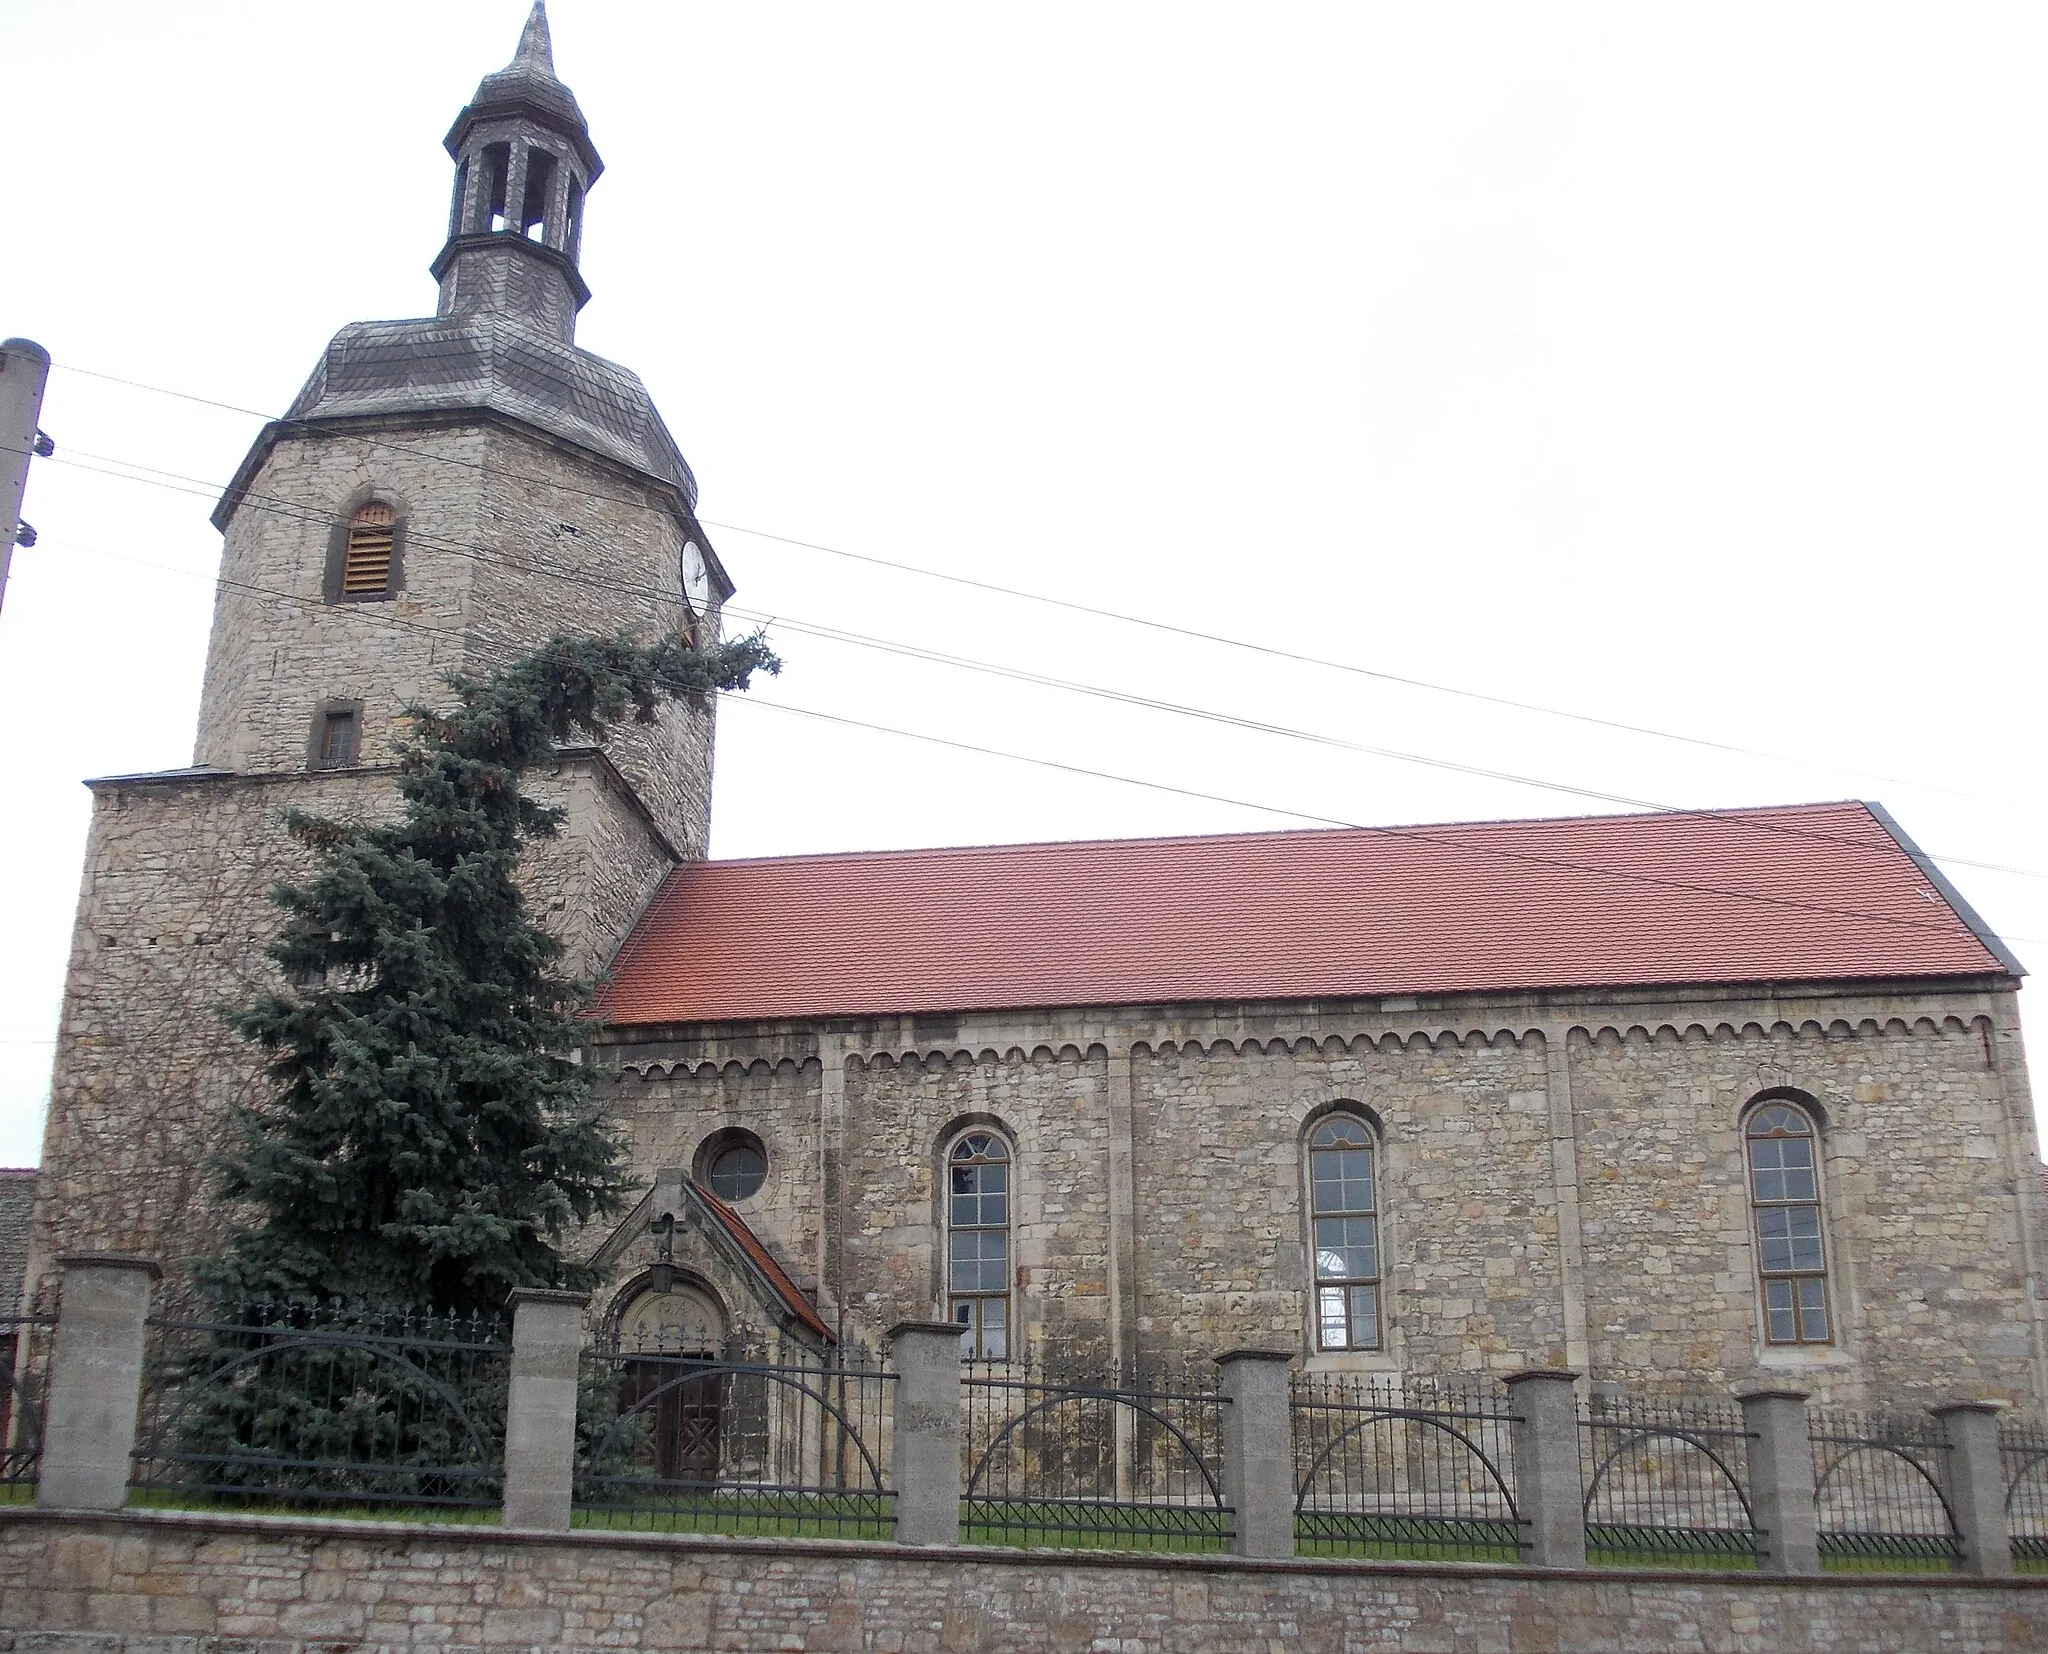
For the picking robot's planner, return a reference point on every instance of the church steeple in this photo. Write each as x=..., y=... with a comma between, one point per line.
x=523, y=165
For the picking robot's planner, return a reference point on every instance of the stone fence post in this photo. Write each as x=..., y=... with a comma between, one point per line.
x=540, y=1408
x=1549, y=1495
x=1974, y=1481
x=924, y=1456
x=1258, y=1452
x=1781, y=1495
x=95, y=1381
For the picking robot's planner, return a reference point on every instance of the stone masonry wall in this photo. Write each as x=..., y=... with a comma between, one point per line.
x=163, y=1584
x=902, y=1113
x=278, y=650
x=1470, y=1235
x=173, y=917
x=1562, y=1178
x=1923, y=1223
x=666, y=1119
x=578, y=547
x=509, y=538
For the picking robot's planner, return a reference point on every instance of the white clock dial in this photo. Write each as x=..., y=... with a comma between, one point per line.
x=696, y=577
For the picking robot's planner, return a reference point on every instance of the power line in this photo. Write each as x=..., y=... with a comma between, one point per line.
x=1257, y=726
x=1415, y=834
x=501, y=559
x=1122, y=617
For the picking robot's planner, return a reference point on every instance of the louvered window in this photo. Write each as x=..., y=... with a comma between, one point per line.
x=366, y=565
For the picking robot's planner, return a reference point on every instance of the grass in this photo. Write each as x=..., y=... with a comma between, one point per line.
x=1048, y=1524
x=1078, y=1525
x=757, y=1516
x=1616, y=1546
x=267, y=1502
x=1901, y=1563
x=1403, y=1538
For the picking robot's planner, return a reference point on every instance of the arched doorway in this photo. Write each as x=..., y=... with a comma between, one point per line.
x=665, y=1337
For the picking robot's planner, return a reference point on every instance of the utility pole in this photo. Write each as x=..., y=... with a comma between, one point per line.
x=24, y=370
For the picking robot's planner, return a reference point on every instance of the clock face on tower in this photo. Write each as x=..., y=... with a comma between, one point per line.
x=696, y=577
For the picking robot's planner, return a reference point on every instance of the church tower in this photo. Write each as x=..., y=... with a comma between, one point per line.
x=443, y=495
x=447, y=492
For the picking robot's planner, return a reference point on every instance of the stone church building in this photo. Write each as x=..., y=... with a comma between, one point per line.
x=1671, y=1100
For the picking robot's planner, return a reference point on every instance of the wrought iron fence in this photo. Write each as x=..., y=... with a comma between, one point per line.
x=2023, y=1454
x=766, y=1435
x=1060, y=1456
x=1667, y=1481
x=1877, y=1490
x=1414, y=1467
x=328, y=1406
x=24, y=1359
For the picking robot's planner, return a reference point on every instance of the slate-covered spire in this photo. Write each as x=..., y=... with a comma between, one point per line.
x=523, y=163
x=535, y=47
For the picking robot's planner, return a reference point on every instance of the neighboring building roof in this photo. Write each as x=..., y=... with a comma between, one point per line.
x=17, y=1195
x=1804, y=893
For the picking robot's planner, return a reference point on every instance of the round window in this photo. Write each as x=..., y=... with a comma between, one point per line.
x=734, y=1165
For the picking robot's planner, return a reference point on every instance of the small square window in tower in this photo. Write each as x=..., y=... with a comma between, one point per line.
x=372, y=539
x=338, y=733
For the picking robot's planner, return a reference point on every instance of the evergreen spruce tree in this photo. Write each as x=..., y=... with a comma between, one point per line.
x=428, y=1135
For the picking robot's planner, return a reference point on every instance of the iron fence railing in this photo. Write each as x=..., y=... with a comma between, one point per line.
x=1393, y=1467
x=326, y=1406
x=24, y=1360
x=1667, y=1481
x=2023, y=1455
x=1877, y=1490
x=1062, y=1456
x=762, y=1436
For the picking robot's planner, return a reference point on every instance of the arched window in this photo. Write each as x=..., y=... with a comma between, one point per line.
x=1784, y=1197
x=1344, y=1208
x=540, y=185
x=573, y=242
x=978, y=1243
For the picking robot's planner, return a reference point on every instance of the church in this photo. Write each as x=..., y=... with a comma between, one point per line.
x=1672, y=1101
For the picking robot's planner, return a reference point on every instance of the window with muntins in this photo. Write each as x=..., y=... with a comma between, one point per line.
x=1784, y=1194
x=738, y=1170
x=339, y=736
x=978, y=1243
x=1344, y=1209
x=366, y=562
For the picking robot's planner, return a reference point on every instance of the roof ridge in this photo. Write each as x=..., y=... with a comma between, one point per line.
x=1276, y=834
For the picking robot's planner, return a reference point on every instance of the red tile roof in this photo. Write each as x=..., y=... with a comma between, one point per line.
x=747, y=1241
x=1809, y=892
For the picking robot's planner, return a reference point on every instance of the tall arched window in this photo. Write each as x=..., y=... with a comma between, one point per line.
x=978, y=1243
x=1784, y=1196
x=1344, y=1208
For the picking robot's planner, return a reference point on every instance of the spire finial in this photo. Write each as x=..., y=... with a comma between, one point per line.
x=535, y=48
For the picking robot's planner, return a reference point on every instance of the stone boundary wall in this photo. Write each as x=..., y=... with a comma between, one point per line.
x=168, y=1583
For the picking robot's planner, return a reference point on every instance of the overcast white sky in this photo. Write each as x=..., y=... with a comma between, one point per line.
x=1681, y=366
